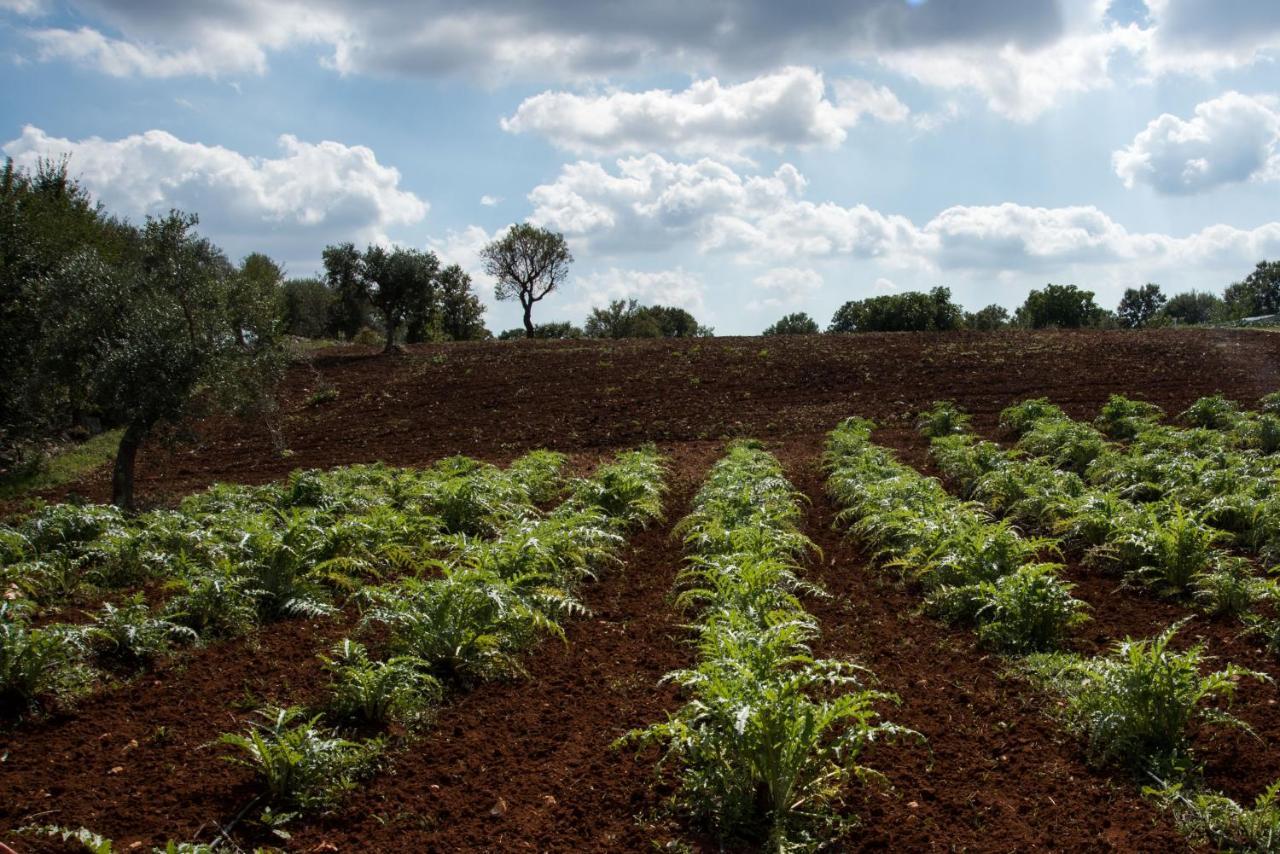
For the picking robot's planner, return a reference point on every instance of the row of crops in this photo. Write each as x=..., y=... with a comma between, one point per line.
x=455, y=570
x=770, y=735
x=1185, y=513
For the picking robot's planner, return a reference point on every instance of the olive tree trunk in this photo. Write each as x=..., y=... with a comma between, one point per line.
x=126, y=456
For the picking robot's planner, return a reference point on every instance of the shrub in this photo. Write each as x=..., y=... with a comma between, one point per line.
x=1136, y=705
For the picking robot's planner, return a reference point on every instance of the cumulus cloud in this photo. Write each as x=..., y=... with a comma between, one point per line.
x=785, y=286
x=650, y=203
x=312, y=194
x=662, y=287
x=490, y=201
x=1230, y=139
x=790, y=107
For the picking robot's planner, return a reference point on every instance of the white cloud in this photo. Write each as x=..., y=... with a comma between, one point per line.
x=490, y=201
x=1021, y=58
x=789, y=107
x=312, y=194
x=884, y=286
x=785, y=286
x=1230, y=139
x=652, y=203
x=663, y=287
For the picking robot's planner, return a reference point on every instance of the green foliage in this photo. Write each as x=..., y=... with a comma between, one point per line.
x=1027, y=610
x=308, y=304
x=797, y=323
x=130, y=633
x=1140, y=306
x=770, y=735
x=942, y=419
x=1059, y=307
x=299, y=765
x=461, y=314
x=527, y=263
x=61, y=467
x=972, y=569
x=1221, y=822
x=1069, y=445
x=629, y=319
x=376, y=692
x=988, y=319
x=558, y=330
x=1257, y=294
x=1136, y=706
x=37, y=663
x=1021, y=417
x=401, y=284
x=1193, y=308
x=1121, y=418
x=906, y=312
x=471, y=624
x=214, y=602
x=1214, y=413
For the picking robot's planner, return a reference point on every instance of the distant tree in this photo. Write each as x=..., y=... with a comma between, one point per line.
x=798, y=323
x=1139, y=306
x=1257, y=294
x=1194, y=307
x=987, y=319
x=528, y=263
x=676, y=322
x=344, y=276
x=1059, y=306
x=254, y=296
x=554, y=330
x=912, y=311
x=400, y=283
x=307, y=303
x=461, y=312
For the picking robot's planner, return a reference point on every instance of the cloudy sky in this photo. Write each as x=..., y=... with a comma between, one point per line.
x=740, y=158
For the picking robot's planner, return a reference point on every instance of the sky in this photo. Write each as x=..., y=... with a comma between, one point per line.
x=742, y=159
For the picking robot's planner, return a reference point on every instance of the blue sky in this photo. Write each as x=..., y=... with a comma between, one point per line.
x=734, y=157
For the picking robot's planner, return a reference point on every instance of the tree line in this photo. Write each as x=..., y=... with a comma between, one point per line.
x=1051, y=307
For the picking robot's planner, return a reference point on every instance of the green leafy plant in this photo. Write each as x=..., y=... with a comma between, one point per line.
x=1221, y=822
x=130, y=633
x=1021, y=417
x=944, y=418
x=214, y=603
x=1028, y=610
x=1121, y=418
x=299, y=764
x=36, y=663
x=376, y=692
x=1136, y=705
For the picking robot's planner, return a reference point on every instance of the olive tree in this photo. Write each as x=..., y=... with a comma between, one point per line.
x=401, y=283
x=528, y=263
x=161, y=336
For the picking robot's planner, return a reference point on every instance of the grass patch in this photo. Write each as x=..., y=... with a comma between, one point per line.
x=62, y=466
